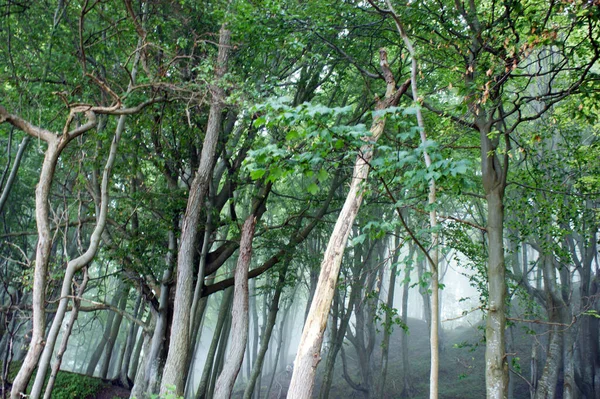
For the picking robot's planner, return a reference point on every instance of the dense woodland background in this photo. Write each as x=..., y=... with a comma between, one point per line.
x=415, y=185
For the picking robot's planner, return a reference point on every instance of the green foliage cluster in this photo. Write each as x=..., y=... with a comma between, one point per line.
x=68, y=385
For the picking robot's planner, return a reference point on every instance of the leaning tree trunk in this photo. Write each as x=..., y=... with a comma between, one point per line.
x=175, y=373
x=75, y=265
x=65, y=339
x=239, y=314
x=56, y=144
x=309, y=349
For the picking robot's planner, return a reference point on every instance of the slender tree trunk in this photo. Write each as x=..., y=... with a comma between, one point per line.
x=220, y=358
x=175, y=372
x=130, y=344
x=138, y=391
x=387, y=331
x=407, y=384
x=212, y=350
x=496, y=363
x=133, y=368
x=266, y=335
x=65, y=339
x=308, y=355
x=114, y=332
x=239, y=314
x=56, y=145
x=97, y=354
x=13, y=172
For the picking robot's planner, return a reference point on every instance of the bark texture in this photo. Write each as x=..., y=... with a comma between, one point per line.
x=309, y=349
x=175, y=374
x=239, y=314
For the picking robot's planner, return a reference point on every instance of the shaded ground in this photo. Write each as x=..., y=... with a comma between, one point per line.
x=462, y=366
x=110, y=391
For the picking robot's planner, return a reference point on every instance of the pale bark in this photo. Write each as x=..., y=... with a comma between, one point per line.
x=495, y=354
x=56, y=145
x=239, y=314
x=75, y=265
x=175, y=372
x=433, y=255
x=65, y=339
x=309, y=349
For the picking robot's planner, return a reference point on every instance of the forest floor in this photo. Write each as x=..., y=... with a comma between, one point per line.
x=462, y=365
x=111, y=391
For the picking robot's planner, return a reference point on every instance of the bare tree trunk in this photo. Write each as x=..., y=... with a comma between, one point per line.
x=433, y=254
x=175, y=372
x=239, y=314
x=138, y=390
x=308, y=355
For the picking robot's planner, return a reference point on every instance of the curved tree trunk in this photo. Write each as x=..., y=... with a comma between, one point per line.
x=309, y=349
x=65, y=339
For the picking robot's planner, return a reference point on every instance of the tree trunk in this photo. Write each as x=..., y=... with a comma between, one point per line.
x=97, y=354
x=495, y=353
x=407, y=385
x=266, y=335
x=175, y=372
x=220, y=358
x=130, y=344
x=212, y=350
x=65, y=338
x=309, y=349
x=138, y=391
x=387, y=326
x=239, y=314
x=114, y=332
x=13, y=172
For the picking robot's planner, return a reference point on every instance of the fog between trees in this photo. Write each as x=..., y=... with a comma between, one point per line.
x=301, y=199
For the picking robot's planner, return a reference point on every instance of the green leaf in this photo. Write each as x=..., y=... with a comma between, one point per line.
x=257, y=174
x=312, y=188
